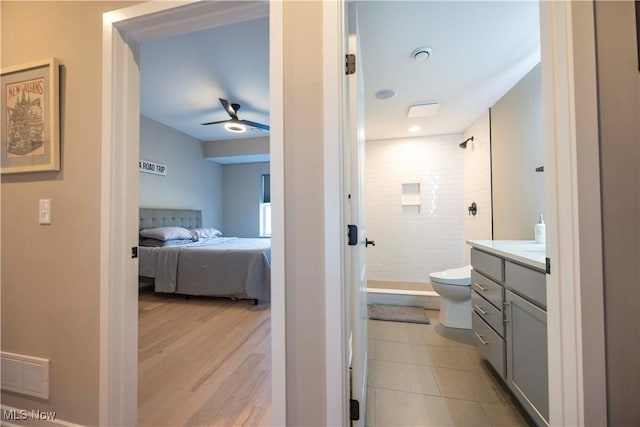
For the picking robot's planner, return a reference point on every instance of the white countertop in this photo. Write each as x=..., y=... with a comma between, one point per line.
x=527, y=252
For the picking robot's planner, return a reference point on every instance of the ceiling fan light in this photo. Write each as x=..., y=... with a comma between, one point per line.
x=235, y=127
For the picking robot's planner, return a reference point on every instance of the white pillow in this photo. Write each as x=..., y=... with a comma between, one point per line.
x=205, y=233
x=166, y=233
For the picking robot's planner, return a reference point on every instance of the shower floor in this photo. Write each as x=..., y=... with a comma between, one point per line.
x=400, y=286
x=402, y=293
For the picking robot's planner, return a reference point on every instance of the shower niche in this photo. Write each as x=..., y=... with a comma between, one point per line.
x=410, y=198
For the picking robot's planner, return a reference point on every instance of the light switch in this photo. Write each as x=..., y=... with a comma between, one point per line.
x=45, y=211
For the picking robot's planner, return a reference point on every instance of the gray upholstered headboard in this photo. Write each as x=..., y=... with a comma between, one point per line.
x=153, y=218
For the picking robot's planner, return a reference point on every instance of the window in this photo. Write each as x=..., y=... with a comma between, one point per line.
x=265, y=206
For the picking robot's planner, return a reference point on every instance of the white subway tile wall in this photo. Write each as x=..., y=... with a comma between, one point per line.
x=477, y=182
x=411, y=243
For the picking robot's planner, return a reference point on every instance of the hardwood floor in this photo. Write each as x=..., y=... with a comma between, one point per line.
x=203, y=362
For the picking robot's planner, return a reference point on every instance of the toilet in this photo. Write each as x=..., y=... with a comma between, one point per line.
x=454, y=288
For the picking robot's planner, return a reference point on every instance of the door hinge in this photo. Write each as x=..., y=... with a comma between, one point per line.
x=134, y=252
x=352, y=234
x=354, y=410
x=547, y=265
x=350, y=63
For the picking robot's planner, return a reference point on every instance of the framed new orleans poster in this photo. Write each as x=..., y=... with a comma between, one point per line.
x=30, y=117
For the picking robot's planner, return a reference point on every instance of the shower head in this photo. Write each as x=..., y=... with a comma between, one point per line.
x=463, y=144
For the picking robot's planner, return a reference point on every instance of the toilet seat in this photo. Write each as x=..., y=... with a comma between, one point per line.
x=455, y=276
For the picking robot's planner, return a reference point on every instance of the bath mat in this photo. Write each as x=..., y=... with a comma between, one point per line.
x=398, y=313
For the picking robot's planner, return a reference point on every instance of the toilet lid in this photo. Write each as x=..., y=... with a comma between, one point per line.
x=453, y=276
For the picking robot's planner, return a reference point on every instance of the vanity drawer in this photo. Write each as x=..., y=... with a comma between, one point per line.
x=487, y=288
x=526, y=282
x=487, y=264
x=489, y=343
x=488, y=313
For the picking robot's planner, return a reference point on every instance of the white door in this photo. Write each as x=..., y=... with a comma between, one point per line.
x=356, y=254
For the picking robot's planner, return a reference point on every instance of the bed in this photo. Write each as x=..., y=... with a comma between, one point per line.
x=213, y=265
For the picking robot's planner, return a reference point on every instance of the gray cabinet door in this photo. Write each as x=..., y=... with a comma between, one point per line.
x=526, y=341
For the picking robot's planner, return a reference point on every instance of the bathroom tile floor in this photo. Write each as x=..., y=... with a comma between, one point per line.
x=428, y=375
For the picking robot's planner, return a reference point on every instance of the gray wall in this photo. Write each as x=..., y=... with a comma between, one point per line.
x=51, y=274
x=192, y=182
x=619, y=113
x=237, y=148
x=241, y=206
x=516, y=147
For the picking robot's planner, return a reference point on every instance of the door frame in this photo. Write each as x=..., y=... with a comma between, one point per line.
x=119, y=202
x=336, y=321
x=577, y=387
x=572, y=201
x=566, y=340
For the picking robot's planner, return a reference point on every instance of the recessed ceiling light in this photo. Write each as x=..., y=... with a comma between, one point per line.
x=385, y=94
x=414, y=128
x=421, y=53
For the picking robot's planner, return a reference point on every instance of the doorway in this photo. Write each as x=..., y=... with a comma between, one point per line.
x=122, y=30
x=560, y=145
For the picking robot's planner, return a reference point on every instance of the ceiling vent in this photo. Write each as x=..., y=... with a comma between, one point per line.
x=423, y=110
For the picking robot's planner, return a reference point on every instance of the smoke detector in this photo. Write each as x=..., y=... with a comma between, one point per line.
x=421, y=53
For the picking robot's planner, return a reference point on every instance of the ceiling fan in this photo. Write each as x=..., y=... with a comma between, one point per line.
x=234, y=124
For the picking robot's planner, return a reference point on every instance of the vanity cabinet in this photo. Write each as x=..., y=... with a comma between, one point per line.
x=509, y=323
x=526, y=342
x=526, y=339
x=487, y=299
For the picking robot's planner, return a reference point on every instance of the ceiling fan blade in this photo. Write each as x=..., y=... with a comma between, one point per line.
x=255, y=125
x=227, y=107
x=214, y=123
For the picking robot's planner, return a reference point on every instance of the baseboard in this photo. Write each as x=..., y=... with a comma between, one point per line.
x=15, y=417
